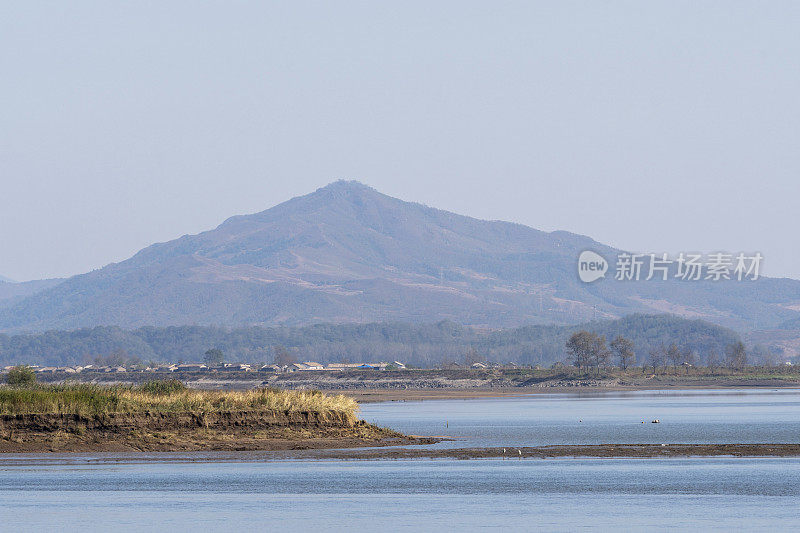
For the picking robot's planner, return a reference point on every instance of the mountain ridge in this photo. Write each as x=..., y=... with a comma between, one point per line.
x=348, y=253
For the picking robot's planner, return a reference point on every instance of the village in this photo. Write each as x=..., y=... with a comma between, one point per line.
x=210, y=368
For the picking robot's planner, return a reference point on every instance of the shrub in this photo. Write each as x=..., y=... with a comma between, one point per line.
x=21, y=376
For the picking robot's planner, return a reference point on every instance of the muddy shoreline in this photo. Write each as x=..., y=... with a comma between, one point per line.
x=598, y=451
x=190, y=431
x=555, y=451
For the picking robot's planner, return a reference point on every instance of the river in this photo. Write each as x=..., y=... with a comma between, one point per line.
x=239, y=493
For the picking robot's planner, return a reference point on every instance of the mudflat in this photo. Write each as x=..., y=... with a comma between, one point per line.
x=632, y=451
x=555, y=451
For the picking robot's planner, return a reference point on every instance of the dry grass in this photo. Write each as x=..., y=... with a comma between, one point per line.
x=82, y=399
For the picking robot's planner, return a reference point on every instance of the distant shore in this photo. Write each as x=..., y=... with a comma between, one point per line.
x=415, y=395
x=399, y=385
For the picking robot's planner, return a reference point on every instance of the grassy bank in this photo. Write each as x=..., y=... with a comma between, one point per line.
x=166, y=416
x=164, y=397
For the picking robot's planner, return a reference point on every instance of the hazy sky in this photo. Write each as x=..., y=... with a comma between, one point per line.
x=651, y=126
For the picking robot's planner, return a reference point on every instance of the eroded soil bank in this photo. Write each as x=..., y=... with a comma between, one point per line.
x=214, y=431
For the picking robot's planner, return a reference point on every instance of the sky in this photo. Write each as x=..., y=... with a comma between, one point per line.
x=650, y=126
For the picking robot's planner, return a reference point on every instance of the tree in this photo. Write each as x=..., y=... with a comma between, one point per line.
x=763, y=355
x=214, y=357
x=688, y=359
x=283, y=357
x=736, y=355
x=472, y=356
x=579, y=348
x=674, y=355
x=117, y=358
x=588, y=349
x=658, y=357
x=600, y=354
x=712, y=359
x=21, y=376
x=624, y=351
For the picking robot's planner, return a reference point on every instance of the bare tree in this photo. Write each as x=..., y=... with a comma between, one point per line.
x=283, y=357
x=736, y=355
x=712, y=359
x=579, y=348
x=588, y=349
x=688, y=359
x=658, y=357
x=674, y=355
x=623, y=349
x=472, y=356
x=600, y=353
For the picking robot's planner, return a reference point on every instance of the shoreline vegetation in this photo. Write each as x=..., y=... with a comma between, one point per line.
x=429, y=384
x=168, y=416
x=558, y=376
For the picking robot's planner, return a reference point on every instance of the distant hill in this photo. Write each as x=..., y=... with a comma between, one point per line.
x=347, y=253
x=12, y=292
x=4, y=279
x=418, y=344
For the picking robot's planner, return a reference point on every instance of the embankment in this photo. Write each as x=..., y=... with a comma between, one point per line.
x=187, y=431
x=85, y=418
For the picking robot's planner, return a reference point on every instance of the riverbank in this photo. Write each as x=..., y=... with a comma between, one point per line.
x=621, y=451
x=168, y=417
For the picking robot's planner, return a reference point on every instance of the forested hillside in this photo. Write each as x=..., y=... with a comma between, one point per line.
x=424, y=345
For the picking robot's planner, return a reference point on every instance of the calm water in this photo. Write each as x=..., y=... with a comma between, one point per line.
x=599, y=418
x=244, y=494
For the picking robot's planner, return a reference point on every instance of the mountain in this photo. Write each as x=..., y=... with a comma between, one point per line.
x=4, y=279
x=12, y=292
x=347, y=253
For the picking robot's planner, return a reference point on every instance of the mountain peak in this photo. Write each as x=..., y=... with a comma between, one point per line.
x=351, y=191
x=346, y=186
x=348, y=253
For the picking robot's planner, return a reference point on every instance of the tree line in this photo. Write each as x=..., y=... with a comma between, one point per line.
x=589, y=350
x=423, y=345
